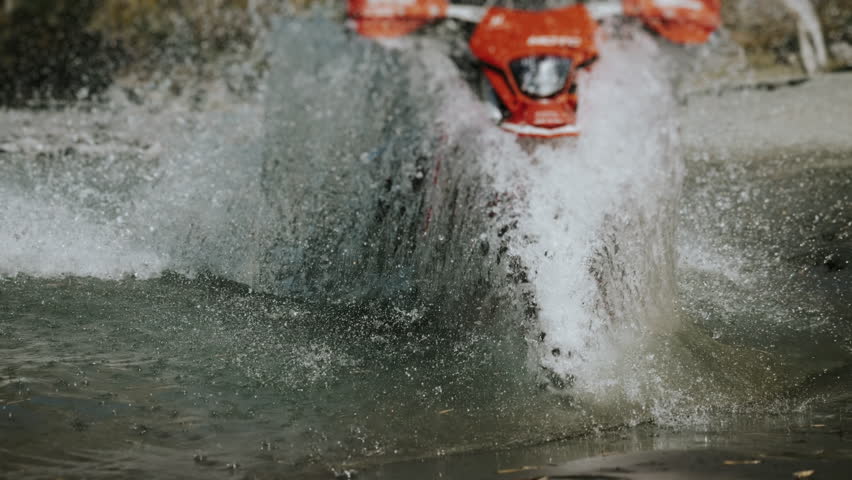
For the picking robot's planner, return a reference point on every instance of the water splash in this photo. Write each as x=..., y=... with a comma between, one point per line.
x=371, y=176
x=595, y=223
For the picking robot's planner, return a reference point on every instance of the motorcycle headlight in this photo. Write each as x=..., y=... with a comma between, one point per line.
x=541, y=76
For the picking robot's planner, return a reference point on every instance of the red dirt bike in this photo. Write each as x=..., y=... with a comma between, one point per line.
x=531, y=58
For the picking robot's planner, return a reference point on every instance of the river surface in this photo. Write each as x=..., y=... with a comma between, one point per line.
x=356, y=271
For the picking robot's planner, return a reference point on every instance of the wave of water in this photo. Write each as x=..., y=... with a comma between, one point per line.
x=369, y=174
x=578, y=235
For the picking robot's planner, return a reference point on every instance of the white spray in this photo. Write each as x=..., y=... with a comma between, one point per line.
x=596, y=227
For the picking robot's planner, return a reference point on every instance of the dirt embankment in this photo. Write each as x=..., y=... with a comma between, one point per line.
x=74, y=49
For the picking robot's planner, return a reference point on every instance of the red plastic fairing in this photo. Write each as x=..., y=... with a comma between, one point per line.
x=680, y=21
x=506, y=35
x=391, y=18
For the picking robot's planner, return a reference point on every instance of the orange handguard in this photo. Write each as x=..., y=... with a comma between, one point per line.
x=680, y=21
x=392, y=18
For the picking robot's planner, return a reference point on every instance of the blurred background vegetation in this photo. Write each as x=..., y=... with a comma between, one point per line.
x=74, y=49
